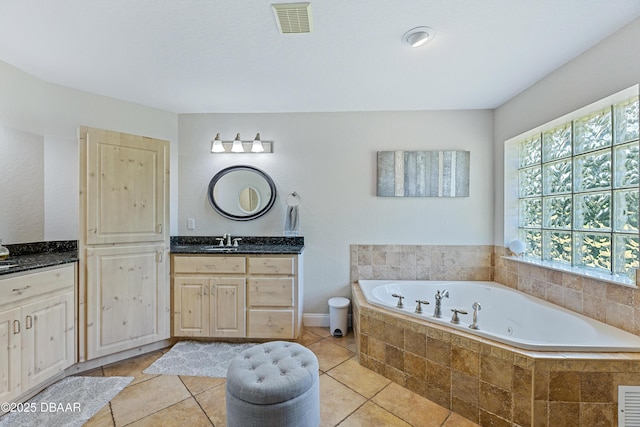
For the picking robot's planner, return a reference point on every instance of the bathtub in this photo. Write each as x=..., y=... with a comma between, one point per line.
x=506, y=315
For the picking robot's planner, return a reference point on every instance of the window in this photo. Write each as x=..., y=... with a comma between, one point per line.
x=578, y=181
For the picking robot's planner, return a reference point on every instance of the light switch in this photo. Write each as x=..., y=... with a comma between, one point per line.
x=191, y=224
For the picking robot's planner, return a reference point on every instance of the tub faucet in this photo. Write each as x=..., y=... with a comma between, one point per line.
x=476, y=307
x=455, y=319
x=437, y=312
x=400, y=298
x=419, y=306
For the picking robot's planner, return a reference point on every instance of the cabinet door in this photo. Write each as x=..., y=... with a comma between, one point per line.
x=191, y=307
x=227, y=306
x=10, y=369
x=126, y=187
x=48, y=338
x=127, y=298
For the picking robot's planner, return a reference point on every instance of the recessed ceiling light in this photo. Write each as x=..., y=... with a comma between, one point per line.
x=418, y=36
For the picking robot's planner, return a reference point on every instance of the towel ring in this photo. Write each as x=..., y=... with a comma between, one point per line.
x=293, y=199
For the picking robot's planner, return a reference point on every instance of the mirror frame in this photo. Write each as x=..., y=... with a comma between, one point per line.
x=249, y=216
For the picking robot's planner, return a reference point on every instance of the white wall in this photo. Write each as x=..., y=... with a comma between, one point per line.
x=329, y=159
x=607, y=68
x=55, y=112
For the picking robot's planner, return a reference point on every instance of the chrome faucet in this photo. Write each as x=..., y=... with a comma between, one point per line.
x=476, y=307
x=400, y=298
x=227, y=237
x=419, y=306
x=455, y=319
x=437, y=312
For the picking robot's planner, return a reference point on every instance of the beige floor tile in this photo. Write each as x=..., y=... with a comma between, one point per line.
x=371, y=414
x=102, y=418
x=185, y=413
x=214, y=401
x=322, y=332
x=347, y=341
x=307, y=337
x=456, y=420
x=329, y=354
x=138, y=401
x=336, y=401
x=133, y=368
x=363, y=380
x=197, y=385
x=411, y=407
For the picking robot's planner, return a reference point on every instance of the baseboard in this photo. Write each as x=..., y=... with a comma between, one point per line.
x=319, y=320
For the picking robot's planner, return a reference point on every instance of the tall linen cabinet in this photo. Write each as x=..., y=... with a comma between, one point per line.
x=124, y=291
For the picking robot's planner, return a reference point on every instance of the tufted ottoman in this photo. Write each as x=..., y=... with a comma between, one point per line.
x=273, y=384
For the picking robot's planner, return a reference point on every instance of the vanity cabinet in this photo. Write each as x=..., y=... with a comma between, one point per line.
x=37, y=332
x=239, y=296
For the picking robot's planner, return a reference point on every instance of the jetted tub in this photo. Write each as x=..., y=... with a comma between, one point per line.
x=506, y=315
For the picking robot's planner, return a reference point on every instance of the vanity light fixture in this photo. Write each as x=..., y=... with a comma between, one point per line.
x=418, y=36
x=216, y=145
x=257, y=147
x=237, y=146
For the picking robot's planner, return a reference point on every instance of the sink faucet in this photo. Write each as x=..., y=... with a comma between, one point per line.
x=437, y=312
x=227, y=237
x=476, y=307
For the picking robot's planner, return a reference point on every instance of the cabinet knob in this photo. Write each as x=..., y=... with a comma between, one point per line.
x=16, y=327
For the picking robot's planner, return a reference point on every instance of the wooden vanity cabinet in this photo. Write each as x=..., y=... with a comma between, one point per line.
x=37, y=333
x=239, y=296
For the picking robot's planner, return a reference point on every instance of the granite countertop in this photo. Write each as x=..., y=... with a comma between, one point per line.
x=31, y=256
x=248, y=245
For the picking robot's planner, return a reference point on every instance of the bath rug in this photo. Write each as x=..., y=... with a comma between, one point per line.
x=198, y=359
x=70, y=402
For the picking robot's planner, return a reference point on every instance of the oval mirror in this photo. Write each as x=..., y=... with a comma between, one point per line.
x=241, y=193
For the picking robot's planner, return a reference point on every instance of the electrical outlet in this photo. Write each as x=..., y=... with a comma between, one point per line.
x=191, y=224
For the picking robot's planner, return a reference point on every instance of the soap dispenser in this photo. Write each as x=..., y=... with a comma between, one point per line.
x=4, y=252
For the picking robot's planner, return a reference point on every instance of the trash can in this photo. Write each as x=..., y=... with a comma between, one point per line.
x=338, y=312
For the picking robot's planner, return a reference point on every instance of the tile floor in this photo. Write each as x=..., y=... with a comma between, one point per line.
x=350, y=395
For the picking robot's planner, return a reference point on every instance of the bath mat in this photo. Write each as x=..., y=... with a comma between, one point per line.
x=70, y=402
x=198, y=359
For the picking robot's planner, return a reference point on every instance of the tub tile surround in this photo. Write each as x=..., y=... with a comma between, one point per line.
x=487, y=382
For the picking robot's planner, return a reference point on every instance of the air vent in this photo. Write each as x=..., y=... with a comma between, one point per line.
x=293, y=18
x=628, y=406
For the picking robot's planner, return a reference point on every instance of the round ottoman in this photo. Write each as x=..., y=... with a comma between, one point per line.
x=273, y=384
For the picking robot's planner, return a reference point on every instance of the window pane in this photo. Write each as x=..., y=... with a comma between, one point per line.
x=592, y=250
x=626, y=165
x=556, y=143
x=593, y=171
x=533, y=241
x=626, y=255
x=530, y=212
x=557, y=246
x=626, y=120
x=557, y=177
x=530, y=182
x=530, y=152
x=557, y=212
x=626, y=211
x=592, y=211
x=592, y=131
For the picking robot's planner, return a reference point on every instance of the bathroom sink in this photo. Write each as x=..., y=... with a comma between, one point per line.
x=219, y=249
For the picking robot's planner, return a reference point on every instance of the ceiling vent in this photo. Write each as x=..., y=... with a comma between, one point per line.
x=293, y=18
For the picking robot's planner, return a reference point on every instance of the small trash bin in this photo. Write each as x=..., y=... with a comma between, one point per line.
x=338, y=312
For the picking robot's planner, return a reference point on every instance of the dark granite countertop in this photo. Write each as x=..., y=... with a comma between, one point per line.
x=248, y=245
x=31, y=256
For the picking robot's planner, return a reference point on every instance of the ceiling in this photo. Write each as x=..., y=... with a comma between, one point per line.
x=204, y=56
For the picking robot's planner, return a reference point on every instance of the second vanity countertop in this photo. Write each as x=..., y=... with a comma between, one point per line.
x=31, y=256
x=248, y=245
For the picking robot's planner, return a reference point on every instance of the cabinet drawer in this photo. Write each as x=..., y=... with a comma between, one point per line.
x=209, y=264
x=271, y=265
x=39, y=282
x=271, y=291
x=270, y=324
